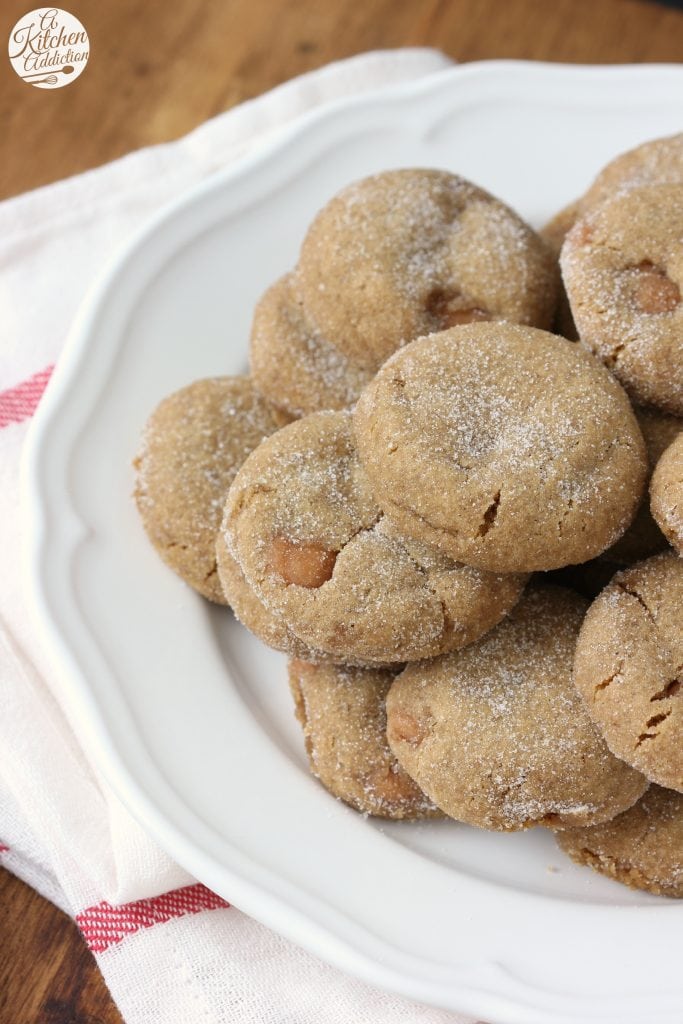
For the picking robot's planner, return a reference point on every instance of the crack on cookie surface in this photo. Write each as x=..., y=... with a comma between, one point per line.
x=489, y=516
x=670, y=690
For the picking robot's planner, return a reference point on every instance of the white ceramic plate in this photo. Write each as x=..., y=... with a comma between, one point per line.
x=190, y=717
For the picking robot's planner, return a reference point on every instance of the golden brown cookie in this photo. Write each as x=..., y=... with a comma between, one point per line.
x=644, y=538
x=252, y=613
x=554, y=233
x=643, y=848
x=629, y=667
x=408, y=252
x=505, y=447
x=311, y=540
x=342, y=714
x=292, y=364
x=666, y=494
x=622, y=265
x=496, y=735
x=658, y=162
x=192, y=445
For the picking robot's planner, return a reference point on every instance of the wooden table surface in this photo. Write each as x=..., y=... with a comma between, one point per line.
x=156, y=71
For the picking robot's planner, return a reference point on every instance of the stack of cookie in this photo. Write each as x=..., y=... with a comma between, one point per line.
x=440, y=447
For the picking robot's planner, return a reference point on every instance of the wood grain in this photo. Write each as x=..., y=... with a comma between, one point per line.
x=156, y=71
x=47, y=973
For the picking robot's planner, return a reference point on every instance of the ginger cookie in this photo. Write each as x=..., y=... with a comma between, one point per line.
x=342, y=714
x=292, y=364
x=254, y=615
x=192, y=445
x=554, y=233
x=658, y=162
x=496, y=734
x=408, y=252
x=262, y=621
x=503, y=446
x=644, y=537
x=666, y=494
x=622, y=265
x=305, y=530
x=643, y=848
x=629, y=667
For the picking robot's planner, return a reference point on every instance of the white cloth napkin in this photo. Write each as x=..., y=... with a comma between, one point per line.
x=169, y=949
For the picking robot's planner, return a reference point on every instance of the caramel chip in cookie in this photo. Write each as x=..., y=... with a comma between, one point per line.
x=505, y=447
x=408, y=252
x=292, y=364
x=305, y=530
x=622, y=265
x=193, y=444
x=629, y=667
x=666, y=494
x=342, y=714
x=496, y=734
x=643, y=848
x=253, y=613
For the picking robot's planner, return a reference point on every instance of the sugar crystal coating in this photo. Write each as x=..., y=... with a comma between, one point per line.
x=496, y=734
x=503, y=446
x=385, y=600
x=629, y=667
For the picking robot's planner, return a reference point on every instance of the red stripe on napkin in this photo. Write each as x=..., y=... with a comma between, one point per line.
x=104, y=925
x=20, y=402
x=3, y=848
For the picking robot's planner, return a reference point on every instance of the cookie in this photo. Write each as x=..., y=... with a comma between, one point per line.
x=644, y=538
x=302, y=524
x=643, y=848
x=666, y=494
x=658, y=162
x=292, y=364
x=253, y=614
x=192, y=446
x=555, y=230
x=554, y=233
x=342, y=714
x=408, y=252
x=496, y=734
x=629, y=667
x=505, y=447
x=622, y=265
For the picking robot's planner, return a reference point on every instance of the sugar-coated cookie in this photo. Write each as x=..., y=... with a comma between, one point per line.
x=554, y=233
x=308, y=535
x=292, y=364
x=644, y=537
x=342, y=714
x=505, y=447
x=658, y=162
x=643, y=848
x=629, y=667
x=496, y=734
x=666, y=494
x=408, y=252
x=264, y=623
x=622, y=265
x=192, y=445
